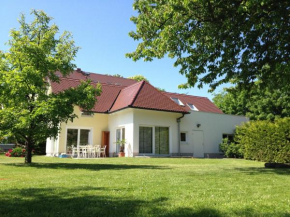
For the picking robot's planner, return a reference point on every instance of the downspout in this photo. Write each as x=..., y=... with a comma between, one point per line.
x=178, y=129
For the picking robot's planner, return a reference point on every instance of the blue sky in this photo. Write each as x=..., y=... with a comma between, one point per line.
x=101, y=29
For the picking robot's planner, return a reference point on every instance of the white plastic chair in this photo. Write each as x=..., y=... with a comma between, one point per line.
x=103, y=151
x=97, y=151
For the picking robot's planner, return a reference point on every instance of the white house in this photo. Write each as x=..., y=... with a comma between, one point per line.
x=151, y=121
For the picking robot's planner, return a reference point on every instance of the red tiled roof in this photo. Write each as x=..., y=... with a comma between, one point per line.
x=144, y=95
x=201, y=103
x=126, y=96
x=104, y=79
x=104, y=101
x=119, y=93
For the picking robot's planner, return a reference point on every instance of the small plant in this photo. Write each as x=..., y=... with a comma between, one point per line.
x=16, y=152
x=121, y=143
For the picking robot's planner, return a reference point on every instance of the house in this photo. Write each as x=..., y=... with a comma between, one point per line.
x=151, y=121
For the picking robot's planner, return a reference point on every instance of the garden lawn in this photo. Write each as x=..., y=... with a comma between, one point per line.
x=142, y=187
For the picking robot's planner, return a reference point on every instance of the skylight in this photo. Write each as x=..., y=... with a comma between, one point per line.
x=192, y=107
x=177, y=101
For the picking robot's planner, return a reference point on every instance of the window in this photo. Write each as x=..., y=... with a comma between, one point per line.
x=120, y=135
x=145, y=140
x=183, y=137
x=229, y=136
x=176, y=100
x=77, y=137
x=192, y=107
x=87, y=114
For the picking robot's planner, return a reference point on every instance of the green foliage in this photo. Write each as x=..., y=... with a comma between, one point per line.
x=231, y=149
x=26, y=70
x=18, y=152
x=265, y=141
x=257, y=104
x=216, y=41
x=142, y=78
x=116, y=75
x=139, y=78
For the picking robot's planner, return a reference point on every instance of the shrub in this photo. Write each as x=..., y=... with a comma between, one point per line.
x=231, y=149
x=265, y=141
x=16, y=152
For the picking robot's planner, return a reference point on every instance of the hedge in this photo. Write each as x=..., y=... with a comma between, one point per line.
x=265, y=141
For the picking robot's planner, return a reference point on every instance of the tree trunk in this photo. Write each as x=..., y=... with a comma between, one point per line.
x=28, y=155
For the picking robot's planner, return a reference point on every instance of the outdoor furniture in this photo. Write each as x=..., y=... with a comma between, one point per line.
x=103, y=151
x=97, y=151
x=88, y=151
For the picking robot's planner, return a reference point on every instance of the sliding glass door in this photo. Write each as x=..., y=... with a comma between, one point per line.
x=77, y=137
x=161, y=140
x=145, y=140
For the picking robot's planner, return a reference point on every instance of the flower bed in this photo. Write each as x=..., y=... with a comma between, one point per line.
x=16, y=152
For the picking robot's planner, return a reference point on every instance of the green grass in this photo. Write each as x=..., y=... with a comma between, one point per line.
x=142, y=187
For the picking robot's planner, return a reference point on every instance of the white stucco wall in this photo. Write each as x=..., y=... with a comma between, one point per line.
x=97, y=123
x=152, y=118
x=213, y=127
x=120, y=119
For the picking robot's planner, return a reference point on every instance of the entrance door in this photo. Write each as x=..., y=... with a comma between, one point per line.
x=161, y=140
x=198, y=147
x=106, y=141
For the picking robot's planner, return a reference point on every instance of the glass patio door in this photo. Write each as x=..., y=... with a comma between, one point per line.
x=145, y=140
x=161, y=140
x=77, y=137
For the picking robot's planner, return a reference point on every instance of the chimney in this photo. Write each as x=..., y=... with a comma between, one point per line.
x=79, y=70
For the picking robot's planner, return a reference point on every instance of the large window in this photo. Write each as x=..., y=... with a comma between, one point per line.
x=145, y=140
x=77, y=137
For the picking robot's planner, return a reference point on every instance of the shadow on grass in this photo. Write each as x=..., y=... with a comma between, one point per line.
x=260, y=170
x=94, y=167
x=88, y=201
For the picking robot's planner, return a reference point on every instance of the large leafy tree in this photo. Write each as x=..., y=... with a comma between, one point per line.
x=257, y=104
x=36, y=52
x=217, y=41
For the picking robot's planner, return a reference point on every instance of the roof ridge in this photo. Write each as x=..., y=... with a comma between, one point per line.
x=109, y=76
x=136, y=95
x=102, y=83
x=132, y=85
x=185, y=94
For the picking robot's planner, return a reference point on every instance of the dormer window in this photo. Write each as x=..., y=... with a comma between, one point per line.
x=192, y=107
x=87, y=114
x=177, y=101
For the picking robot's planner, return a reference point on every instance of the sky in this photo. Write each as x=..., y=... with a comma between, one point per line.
x=101, y=29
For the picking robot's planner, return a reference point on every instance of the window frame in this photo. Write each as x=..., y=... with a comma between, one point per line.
x=122, y=136
x=90, y=137
x=179, y=101
x=186, y=137
x=194, y=107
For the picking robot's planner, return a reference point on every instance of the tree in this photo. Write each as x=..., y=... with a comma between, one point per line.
x=116, y=75
x=139, y=78
x=26, y=70
x=258, y=104
x=217, y=41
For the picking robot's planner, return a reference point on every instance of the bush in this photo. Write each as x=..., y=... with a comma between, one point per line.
x=265, y=141
x=16, y=152
x=231, y=149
